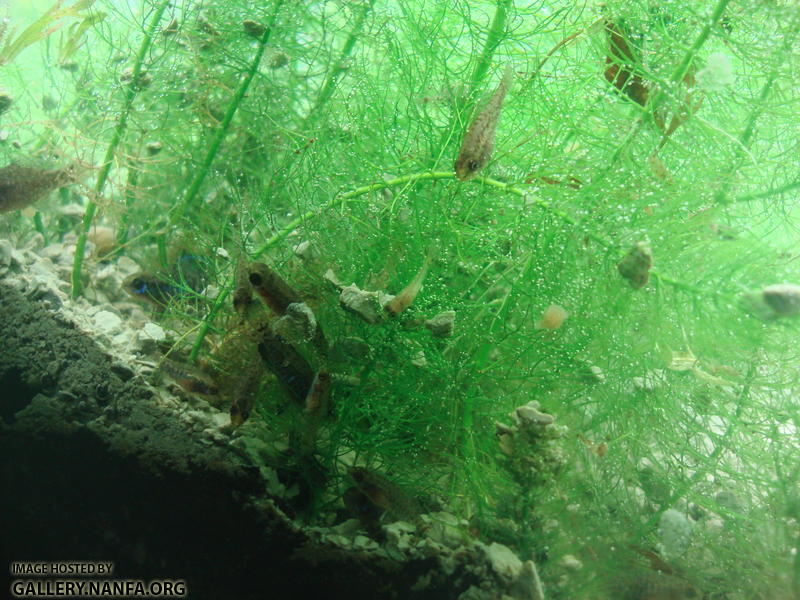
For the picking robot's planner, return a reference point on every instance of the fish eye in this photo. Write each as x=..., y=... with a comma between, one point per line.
x=472, y=165
x=139, y=285
x=255, y=279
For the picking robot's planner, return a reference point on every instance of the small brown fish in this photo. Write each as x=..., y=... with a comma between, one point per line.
x=387, y=495
x=319, y=394
x=245, y=388
x=287, y=364
x=316, y=409
x=189, y=378
x=253, y=28
x=271, y=287
x=243, y=291
x=476, y=149
x=621, y=62
x=404, y=299
x=22, y=186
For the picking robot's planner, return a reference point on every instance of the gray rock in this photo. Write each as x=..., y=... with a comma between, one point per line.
x=503, y=560
x=9, y=255
x=445, y=528
x=530, y=413
x=442, y=324
x=399, y=539
x=153, y=332
x=367, y=305
x=297, y=325
x=783, y=298
x=674, y=533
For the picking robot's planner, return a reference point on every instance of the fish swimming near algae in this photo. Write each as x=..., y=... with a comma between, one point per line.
x=21, y=186
x=478, y=144
x=387, y=495
x=186, y=278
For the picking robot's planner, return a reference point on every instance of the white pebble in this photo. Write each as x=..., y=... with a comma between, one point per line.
x=154, y=332
x=674, y=533
x=367, y=305
x=503, y=560
x=442, y=324
x=107, y=321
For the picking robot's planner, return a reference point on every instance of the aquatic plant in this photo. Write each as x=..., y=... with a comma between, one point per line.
x=321, y=139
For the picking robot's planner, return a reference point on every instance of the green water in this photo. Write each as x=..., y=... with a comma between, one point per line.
x=326, y=141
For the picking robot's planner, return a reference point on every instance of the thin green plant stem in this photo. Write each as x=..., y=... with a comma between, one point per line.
x=747, y=134
x=190, y=197
x=564, y=42
x=343, y=198
x=116, y=139
x=771, y=192
x=495, y=36
x=683, y=66
x=340, y=66
x=39, y=225
x=161, y=243
x=208, y=321
x=329, y=86
x=493, y=39
x=130, y=196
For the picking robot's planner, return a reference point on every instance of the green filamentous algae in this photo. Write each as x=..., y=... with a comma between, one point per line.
x=517, y=278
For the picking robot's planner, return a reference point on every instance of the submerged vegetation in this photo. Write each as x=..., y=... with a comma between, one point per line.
x=585, y=350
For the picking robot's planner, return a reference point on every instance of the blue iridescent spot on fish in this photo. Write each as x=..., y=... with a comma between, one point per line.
x=188, y=278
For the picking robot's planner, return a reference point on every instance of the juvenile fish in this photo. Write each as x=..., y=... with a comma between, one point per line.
x=189, y=378
x=244, y=393
x=151, y=288
x=387, y=495
x=319, y=394
x=476, y=149
x=160, y=289
x=404, y=299
x=271, y=287
x=316, y=409
x=287, y=364
x=22, y=186
x=243, y=292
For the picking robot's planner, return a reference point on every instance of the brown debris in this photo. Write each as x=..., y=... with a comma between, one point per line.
x=636, y=265
x=621, y=62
